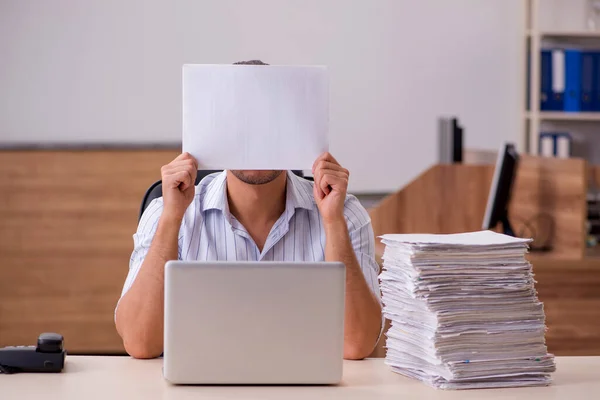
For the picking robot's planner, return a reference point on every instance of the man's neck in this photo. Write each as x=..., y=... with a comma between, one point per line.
x=256, y=205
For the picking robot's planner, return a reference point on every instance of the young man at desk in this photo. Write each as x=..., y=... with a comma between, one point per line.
x=251, y=216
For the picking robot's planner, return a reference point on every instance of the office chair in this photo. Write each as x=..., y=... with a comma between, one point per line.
x=155, y=190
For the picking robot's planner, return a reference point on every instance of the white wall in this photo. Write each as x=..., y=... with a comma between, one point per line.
x=563, y=15
x=110, y=71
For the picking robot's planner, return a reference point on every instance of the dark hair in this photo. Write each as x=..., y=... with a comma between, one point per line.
x=250, y=62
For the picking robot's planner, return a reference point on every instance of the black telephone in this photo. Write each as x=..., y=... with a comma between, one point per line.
x=47, y=356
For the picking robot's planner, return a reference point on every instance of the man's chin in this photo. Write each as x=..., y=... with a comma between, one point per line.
x=256, y=177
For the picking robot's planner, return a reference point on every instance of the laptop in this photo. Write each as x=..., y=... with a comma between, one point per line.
x=253, y=322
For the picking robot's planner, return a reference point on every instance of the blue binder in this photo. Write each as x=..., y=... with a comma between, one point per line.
x=546, y=81
x=572, y=80
x=588, y=84
x=596, y=91
x=557, y=80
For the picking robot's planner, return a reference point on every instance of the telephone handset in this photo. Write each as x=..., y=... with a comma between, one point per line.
x=47, y=356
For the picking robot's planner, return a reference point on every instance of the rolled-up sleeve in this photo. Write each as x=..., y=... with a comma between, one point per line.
x=363, y=242
x=142, y=239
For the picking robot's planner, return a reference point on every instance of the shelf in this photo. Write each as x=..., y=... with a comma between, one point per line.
x=566, y=34
x=567, y=116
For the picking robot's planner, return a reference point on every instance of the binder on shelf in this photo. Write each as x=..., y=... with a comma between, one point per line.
x=572, y=80
x=546, y=81
x=562, y=145
x=547, y=144
x=555, y=144
x=596, y=91
x=588, y=76
x=557, y=87
x=553, y=80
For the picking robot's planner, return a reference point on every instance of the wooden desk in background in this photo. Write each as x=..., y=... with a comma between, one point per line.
x=452, y=198
x=125, y=378
x=570, y=291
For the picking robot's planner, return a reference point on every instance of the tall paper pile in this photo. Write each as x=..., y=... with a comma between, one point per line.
x=464, y=311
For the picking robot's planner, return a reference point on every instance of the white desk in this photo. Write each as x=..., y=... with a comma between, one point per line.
x=125, y=378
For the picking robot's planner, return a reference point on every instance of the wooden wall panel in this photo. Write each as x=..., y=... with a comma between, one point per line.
x=444, y=199
x=66, y=225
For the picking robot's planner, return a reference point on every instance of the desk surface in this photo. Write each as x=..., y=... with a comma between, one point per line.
x=126, y=378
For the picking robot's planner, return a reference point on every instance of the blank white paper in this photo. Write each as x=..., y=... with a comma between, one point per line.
x=479, y=238
x=255, y=117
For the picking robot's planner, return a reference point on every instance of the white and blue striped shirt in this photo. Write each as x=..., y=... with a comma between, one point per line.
x=209, y=232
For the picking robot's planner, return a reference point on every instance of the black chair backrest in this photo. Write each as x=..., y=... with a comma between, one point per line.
x=155, y=190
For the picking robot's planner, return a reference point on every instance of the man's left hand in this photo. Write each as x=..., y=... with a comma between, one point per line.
x=331, y=184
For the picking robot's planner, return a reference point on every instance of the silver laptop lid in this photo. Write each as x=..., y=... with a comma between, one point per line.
x=254, y=322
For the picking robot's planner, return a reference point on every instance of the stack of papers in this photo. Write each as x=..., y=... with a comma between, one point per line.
x=464, y=311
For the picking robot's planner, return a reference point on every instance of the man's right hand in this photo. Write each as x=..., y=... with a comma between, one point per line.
x=178, y=178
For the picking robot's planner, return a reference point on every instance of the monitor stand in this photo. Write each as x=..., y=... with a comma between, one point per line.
x=506, y=226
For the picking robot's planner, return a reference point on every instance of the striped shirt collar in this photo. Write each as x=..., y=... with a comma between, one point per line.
x=298, y=194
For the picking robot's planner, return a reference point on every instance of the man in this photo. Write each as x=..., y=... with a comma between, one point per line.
x=251, y=216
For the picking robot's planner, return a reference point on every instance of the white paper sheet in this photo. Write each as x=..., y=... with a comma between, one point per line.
x=480, y=238
x=255, y=117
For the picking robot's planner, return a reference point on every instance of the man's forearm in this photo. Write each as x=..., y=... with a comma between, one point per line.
x=362, y=321
x=140, y=312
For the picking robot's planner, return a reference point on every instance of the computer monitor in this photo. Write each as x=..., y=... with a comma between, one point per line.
x=499, y=197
